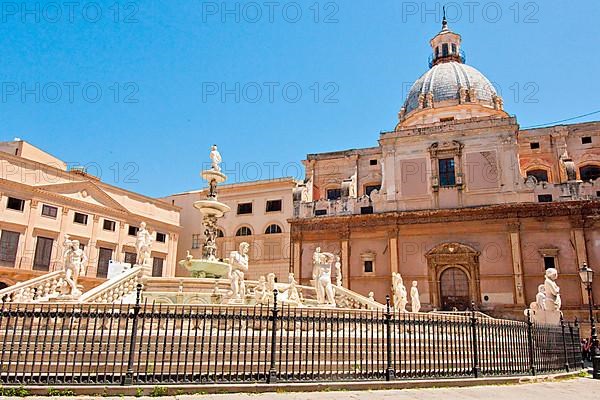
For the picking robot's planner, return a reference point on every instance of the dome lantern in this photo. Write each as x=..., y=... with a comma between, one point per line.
x=446, y=46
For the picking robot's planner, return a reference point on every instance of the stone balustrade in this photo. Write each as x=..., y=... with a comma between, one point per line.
x=34, y=290
x=115, y=289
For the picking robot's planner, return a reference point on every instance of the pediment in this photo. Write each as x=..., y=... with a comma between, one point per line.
x=84, y=191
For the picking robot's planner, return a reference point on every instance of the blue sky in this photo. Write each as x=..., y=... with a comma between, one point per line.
x=138, y=91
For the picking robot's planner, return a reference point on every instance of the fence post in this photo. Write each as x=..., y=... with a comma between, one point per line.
x=475, y=341
x=564, y=340
x=579, y=336
x=128, y=379
x=530, y=342
x=272, y=378
x=389, y=372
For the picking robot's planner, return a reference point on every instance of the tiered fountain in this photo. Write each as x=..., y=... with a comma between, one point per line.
x=209, y=266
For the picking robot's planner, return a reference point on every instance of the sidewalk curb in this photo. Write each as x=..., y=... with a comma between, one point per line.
x=180, y=389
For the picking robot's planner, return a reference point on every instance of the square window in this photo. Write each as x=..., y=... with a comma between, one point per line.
x=109, y=225
x=447, y=174
x=586, y=140
x=133, y=230
x=273, y=205
x=196, y=240
x=244, y=208
x=130, y=258
x=80, y=218
x=372, y=162
x=368, y=264
x=334, y=194
x=534, y=145
x=366, y=210
x=15, y=204
x=49, y=211
x=161, y=237
x=545, y=198
x=549, y=262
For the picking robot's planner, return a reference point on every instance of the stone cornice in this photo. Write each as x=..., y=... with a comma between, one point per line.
x=575, y=210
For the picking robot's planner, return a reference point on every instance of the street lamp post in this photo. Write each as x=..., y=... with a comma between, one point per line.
x=587, y=275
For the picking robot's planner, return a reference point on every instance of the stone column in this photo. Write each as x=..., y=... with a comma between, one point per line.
x=345, y=258
x=578, y=238
x=517, y=262
x=296, y=256
x=93, y=254
x=393, y=248
x=28, y=255
x=390, y=173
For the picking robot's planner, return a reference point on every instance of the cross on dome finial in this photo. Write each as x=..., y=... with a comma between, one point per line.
x=444, y=20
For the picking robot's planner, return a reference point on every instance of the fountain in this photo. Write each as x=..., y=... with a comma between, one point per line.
x=209, y=266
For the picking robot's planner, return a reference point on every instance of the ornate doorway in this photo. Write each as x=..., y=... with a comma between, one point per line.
x=460, y=285
x=454, y=290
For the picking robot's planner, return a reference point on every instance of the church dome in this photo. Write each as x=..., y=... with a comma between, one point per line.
x=450, y=89
x=450, y=81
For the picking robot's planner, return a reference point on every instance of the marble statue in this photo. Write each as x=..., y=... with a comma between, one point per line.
x=321, y=275
x=568, y=166
x=540, y=299
x=414, y=297
x=271, y=283
x=338, y=271
x=400, y=294
x=75, y=263
x=371, y=296
x=291, y=295
x=261, y=294
x=143, y=245
x=552, y=300
x=353, y=190
x=215, y=158
x=237, y=268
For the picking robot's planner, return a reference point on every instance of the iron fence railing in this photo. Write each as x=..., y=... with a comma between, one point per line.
x=159, y=344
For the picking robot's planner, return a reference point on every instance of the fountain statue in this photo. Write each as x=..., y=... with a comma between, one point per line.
x=75, y=262
x=400, y=295
x=143, y=246
x=322, y=265
x=546, y=307
x=209, y=266
x=414, y=297
x=237, y=268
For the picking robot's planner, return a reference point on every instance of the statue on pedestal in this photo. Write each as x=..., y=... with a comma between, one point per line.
x=143, y=245
x=414, y=297
x=291, y=295
x=552, y=302
x=215, y=158
x=75, y=263
x=238, y=267
x=321, y=274
x=261, y=294
x=400, y=294
x=270, y=284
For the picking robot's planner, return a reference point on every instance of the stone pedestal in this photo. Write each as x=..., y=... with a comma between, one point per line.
x=546, y=317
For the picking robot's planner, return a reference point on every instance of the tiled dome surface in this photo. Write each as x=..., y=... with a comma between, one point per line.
x=445, y=79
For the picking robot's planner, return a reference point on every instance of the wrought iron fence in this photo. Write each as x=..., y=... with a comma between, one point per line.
x=157, y=344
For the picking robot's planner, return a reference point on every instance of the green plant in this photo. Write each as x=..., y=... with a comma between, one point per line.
x=159, y=391
x=14, y=392
x=139, y=392
x=58, y=392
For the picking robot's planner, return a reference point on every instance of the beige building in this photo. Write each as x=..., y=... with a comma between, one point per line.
x=41, y=201
x=259, y=214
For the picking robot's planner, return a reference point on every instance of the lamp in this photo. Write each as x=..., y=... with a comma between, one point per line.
x=587, y=276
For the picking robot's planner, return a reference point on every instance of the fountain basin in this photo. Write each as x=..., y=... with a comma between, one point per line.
x=206, y=268
x=211, y=174
x=212, y=207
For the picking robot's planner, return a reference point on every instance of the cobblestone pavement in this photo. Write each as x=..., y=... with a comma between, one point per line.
x=579, y=389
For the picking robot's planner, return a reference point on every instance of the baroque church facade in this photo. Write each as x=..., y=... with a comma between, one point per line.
x=458, y=198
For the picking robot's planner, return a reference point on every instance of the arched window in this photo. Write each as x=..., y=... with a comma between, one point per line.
x=540, y=174
x=273, y=229
x=220, y=233
x=589, y=172
x=244, y=231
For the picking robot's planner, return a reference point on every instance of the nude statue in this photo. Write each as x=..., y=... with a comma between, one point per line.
x=75, y=263
x=322, y=264
x=414, y=297
x=552, y=301
x=540, y=299
x=143, y=245
x=338, y=271
x=400, y=294
x=238, y=267
x=261, y=294
x=215, y=158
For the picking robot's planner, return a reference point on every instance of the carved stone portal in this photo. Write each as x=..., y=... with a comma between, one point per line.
x=453, y=255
